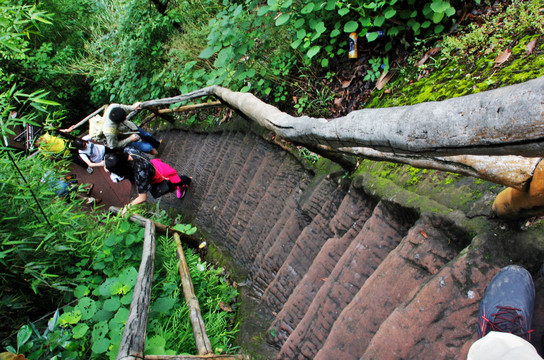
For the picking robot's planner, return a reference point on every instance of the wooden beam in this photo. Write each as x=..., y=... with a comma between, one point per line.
x=73, y=127
x=203, y=344
x=165, y=116
x=191, y=107
x=132, y=345
x=196, y=357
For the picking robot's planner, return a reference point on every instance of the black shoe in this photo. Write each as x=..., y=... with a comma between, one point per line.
x=508, y=303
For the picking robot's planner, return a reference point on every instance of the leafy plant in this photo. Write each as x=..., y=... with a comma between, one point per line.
x=92, y=326
x=307, y=155
x=378, y=65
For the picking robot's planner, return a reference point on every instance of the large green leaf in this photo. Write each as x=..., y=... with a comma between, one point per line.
x=389, y=13
x=351, y=26
x=308, y=8
x=87, y=307
x=343, y=11
x=379, y=20
x=100, y=346
x=100, y=330
x=263, y=10
x=313, y=51
x=440, y=6
x=207, y=53
x=286, y=4
x=23, y=335
x=80, y=330
x=121, y=315
x=112, y=304
x=282, y=19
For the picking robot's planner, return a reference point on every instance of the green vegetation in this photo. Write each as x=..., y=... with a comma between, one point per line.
x=483, y=55
x=60, y=60
x=92, y=325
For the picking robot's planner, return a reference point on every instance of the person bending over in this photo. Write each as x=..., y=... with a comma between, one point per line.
x=119, y=132
x=92, y=154
x=135, y=166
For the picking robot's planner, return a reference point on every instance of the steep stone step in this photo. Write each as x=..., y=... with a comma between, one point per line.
x=265, y=202
x=183, y=155
x=301, y=256
x=439, y=318
x=233, y=194
x=212, y=152
x=170, y=140
x=357, y=211
x=202, y=170
x=419, y=256
x=273, y=257
x=245, y=216
x=381, y=234
x=207, y=213
x=291, y=205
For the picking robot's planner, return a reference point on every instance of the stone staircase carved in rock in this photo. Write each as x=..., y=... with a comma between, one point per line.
x=342, y=273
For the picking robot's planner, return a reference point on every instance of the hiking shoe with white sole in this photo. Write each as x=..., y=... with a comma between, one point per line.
x=508, y=303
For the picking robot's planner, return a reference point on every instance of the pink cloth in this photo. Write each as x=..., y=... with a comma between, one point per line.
x=164, y=171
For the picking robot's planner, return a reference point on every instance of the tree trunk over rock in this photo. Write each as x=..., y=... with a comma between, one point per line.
x=497, y=135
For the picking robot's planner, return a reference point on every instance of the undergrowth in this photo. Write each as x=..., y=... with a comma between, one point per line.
x=470, y=59
x=91, y=326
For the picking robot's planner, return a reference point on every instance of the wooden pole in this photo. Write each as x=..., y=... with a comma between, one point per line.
x=203, y=344
x=73, y=127
x=196, y=357
x=165, y=116
x=133, y=342
x=191, y=107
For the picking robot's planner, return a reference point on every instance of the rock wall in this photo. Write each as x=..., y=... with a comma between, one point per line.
x=338, y=269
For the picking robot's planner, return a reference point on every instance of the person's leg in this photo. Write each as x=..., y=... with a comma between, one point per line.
x=142, y=146
x=501, y=346
x=505, y=316
x=182, y=186
x=508, y=303
x=76, y=159
x=147, y=137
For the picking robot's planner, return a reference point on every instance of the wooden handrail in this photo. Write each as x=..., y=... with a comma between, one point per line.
x=203, y=345
x=132, y=345
x=196, y=357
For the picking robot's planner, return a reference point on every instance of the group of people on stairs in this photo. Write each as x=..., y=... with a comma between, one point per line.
x=120, y=146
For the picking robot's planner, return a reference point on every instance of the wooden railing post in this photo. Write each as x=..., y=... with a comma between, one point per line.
x=133, y=342
x=132, y=345
x=203, y=344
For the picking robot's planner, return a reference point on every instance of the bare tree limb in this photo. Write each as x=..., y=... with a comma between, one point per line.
x=190, y=107
x=504, y=121
x=513, y=171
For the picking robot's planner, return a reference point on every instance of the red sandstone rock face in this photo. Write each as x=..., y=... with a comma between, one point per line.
x=343, y=275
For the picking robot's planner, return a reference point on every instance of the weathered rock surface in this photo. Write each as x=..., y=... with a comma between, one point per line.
x=347, y=269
